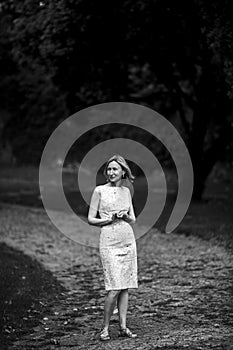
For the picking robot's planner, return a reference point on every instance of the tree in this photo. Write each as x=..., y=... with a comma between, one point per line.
x=192, y=63
x=35, y=104
x=172, y=56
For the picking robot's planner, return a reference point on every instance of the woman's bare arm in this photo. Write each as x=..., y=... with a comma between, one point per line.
x=92, y=219
x=131, y=213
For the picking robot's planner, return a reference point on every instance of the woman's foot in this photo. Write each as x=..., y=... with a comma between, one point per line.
x=126, y=332
x=104, y=335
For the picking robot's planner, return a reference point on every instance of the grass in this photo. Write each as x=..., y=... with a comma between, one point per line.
x=210, y=217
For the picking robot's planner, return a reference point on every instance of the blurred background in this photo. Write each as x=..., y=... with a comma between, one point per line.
x=59, y=57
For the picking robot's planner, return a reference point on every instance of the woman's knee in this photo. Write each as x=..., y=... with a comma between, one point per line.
x=113, y=293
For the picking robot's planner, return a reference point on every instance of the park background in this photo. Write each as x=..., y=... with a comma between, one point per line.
x=58, y=58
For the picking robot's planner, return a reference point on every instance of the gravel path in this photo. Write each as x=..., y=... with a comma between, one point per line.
x=184, y=299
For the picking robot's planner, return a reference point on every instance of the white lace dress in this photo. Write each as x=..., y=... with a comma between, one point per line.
x=117, y=242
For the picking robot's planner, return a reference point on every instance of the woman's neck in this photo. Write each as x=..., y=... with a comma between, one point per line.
x=115, y=184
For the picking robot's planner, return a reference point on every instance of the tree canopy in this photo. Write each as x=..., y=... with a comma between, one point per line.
x=176, y=57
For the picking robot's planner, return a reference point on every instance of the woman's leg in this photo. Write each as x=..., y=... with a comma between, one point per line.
x=122, y=303
x=110, y=302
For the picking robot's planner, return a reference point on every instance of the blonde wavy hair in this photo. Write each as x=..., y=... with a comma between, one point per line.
x=122, y=162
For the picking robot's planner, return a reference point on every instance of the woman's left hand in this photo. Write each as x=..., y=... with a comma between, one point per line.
x=122, y=215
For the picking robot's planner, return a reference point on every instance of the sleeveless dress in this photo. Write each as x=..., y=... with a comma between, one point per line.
x=117, y=244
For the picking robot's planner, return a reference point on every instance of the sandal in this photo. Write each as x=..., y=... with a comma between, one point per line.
x=126, y=332
x=104, y=335
x=115, y=311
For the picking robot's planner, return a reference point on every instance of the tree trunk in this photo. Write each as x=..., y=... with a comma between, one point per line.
x=204, y=161
x=196, y=146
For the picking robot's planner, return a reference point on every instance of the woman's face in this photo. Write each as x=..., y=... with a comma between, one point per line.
x=114, y=172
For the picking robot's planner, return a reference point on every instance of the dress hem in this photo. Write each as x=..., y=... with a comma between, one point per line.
x=108, y=289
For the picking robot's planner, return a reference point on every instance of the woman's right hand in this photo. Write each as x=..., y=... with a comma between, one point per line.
x=109, y=219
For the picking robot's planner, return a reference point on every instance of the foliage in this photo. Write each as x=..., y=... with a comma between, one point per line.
x=172, y=56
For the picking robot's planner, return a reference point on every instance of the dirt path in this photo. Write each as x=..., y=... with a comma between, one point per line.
x=184, y=299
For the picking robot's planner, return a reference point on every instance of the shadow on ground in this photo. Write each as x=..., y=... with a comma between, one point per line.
x=26, y=290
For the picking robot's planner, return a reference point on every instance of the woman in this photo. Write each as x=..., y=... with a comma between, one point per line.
x=117, y=242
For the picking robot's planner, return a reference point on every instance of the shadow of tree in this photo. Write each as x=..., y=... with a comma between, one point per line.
x=26, y=291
